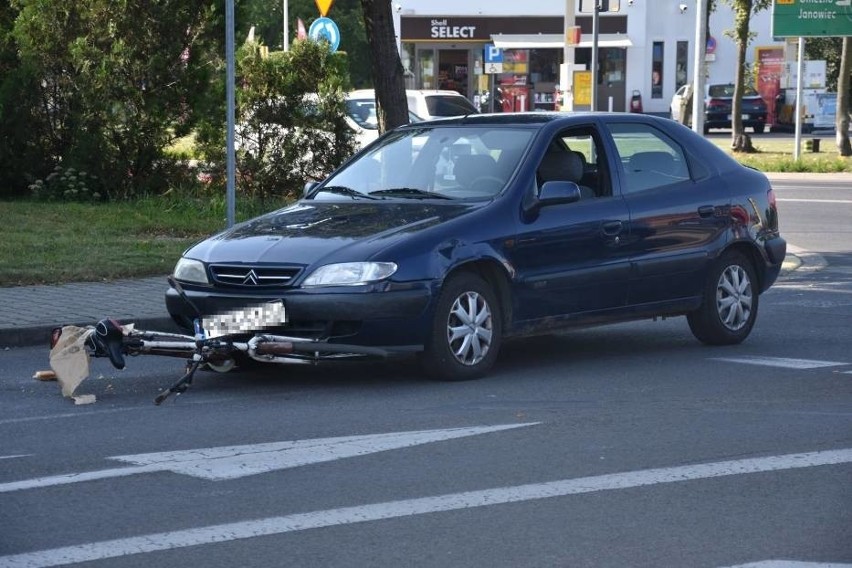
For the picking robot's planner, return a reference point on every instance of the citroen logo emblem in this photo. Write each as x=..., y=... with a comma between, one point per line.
x=250, y=279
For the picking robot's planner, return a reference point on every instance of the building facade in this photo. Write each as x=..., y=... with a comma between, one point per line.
x=646, y=47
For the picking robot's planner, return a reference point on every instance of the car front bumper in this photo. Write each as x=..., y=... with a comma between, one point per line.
x=396, y=317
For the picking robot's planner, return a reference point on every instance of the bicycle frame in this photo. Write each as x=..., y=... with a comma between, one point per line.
x=111, y=339
x=219, y=353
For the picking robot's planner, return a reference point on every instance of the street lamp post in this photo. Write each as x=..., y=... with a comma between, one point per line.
x=285, y=45
x=229, y=97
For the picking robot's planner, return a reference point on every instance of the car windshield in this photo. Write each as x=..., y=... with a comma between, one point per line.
x=727, y=91
x=455, y=162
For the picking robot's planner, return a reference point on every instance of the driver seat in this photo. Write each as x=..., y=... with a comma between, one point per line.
x=559, y=165
x=469, y=167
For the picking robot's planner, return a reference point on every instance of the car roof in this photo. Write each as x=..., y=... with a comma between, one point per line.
x=540, y=118
x=371, y=93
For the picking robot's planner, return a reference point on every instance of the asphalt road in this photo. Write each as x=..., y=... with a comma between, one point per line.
x=627, y=445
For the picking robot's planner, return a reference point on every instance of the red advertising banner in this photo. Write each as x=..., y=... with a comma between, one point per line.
x=770, y=67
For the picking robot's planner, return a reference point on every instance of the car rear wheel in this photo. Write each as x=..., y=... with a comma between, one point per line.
x=729, y=309
x=466, y=330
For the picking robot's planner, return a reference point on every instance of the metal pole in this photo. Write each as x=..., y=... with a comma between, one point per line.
x=800, y=70
x=285, y=45
x=595, y=22
x=698, y=66
x=229, y=96
x=567, y=82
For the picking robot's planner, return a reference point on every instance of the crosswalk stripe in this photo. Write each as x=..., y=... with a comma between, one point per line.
x=783, y=362
x=794, y=200
x=419, y=506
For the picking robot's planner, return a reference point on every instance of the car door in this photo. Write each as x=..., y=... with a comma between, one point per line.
x=569, y=257
x=678, y=213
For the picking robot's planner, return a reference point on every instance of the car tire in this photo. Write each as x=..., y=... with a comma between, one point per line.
x=729, y=307
x=466, y=330
x=758, y=129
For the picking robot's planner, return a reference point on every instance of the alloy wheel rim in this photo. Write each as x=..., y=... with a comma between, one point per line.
x=734, y=298
x=469, y=328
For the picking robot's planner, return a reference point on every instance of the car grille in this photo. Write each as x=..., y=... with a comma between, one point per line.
x=253, y=276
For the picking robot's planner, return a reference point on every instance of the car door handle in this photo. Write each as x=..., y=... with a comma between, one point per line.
x=612, y=228
x=706, y=211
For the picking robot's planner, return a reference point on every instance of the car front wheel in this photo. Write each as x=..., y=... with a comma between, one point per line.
x=729, y=307
x=466, y=330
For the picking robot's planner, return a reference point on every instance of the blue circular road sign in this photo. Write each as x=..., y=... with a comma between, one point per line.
x=325, y=29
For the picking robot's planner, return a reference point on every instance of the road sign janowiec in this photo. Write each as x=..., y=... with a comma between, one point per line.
x=324, y=6
x=325, y=29
x=797, y=18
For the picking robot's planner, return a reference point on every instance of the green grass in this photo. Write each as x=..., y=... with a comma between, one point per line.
x=776, y=155
x=47, y=243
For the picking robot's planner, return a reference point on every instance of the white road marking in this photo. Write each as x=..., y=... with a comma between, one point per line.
x=780, y=362
x=15, y=456
x=789, y=564
x=405, y=508
x=231, y=462
x=795, y=200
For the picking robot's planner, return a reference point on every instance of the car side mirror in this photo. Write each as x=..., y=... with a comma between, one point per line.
x=558, y=192
x=309, y=186
x=552, y=193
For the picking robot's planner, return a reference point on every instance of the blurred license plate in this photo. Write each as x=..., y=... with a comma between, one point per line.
x=249, y=318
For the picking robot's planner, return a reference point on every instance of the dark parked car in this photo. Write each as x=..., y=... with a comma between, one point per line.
x=717, y=112
x=718, y=104
x=445, y=237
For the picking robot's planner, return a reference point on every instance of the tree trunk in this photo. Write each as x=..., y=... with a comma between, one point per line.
x=740, y=141
x=387, y=72
x=841, y=122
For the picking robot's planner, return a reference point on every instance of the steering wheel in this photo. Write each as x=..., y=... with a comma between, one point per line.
x=486, y=184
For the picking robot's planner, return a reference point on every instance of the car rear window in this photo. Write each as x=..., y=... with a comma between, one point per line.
x=444, y=105
x=727, y=91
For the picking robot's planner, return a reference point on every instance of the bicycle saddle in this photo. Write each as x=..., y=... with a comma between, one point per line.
x=107, y=341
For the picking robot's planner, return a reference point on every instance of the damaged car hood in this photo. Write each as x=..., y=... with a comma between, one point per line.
x=307, y=231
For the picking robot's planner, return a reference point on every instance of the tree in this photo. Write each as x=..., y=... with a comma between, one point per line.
x=266, y=16
x=743, y=9
x=843, y=92
x=113, y=87
x=291, y=117
x=387, y=72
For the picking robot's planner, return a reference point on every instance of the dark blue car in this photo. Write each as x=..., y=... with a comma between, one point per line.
x=444, y=238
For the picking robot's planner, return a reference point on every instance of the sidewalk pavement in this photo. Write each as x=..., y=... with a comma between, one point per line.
x=28, y=313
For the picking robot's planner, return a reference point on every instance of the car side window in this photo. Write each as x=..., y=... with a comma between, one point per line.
x=576, y=155
x=650, y=158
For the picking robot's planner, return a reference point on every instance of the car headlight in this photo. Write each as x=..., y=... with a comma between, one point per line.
x=190, y=270
x=350, y=273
